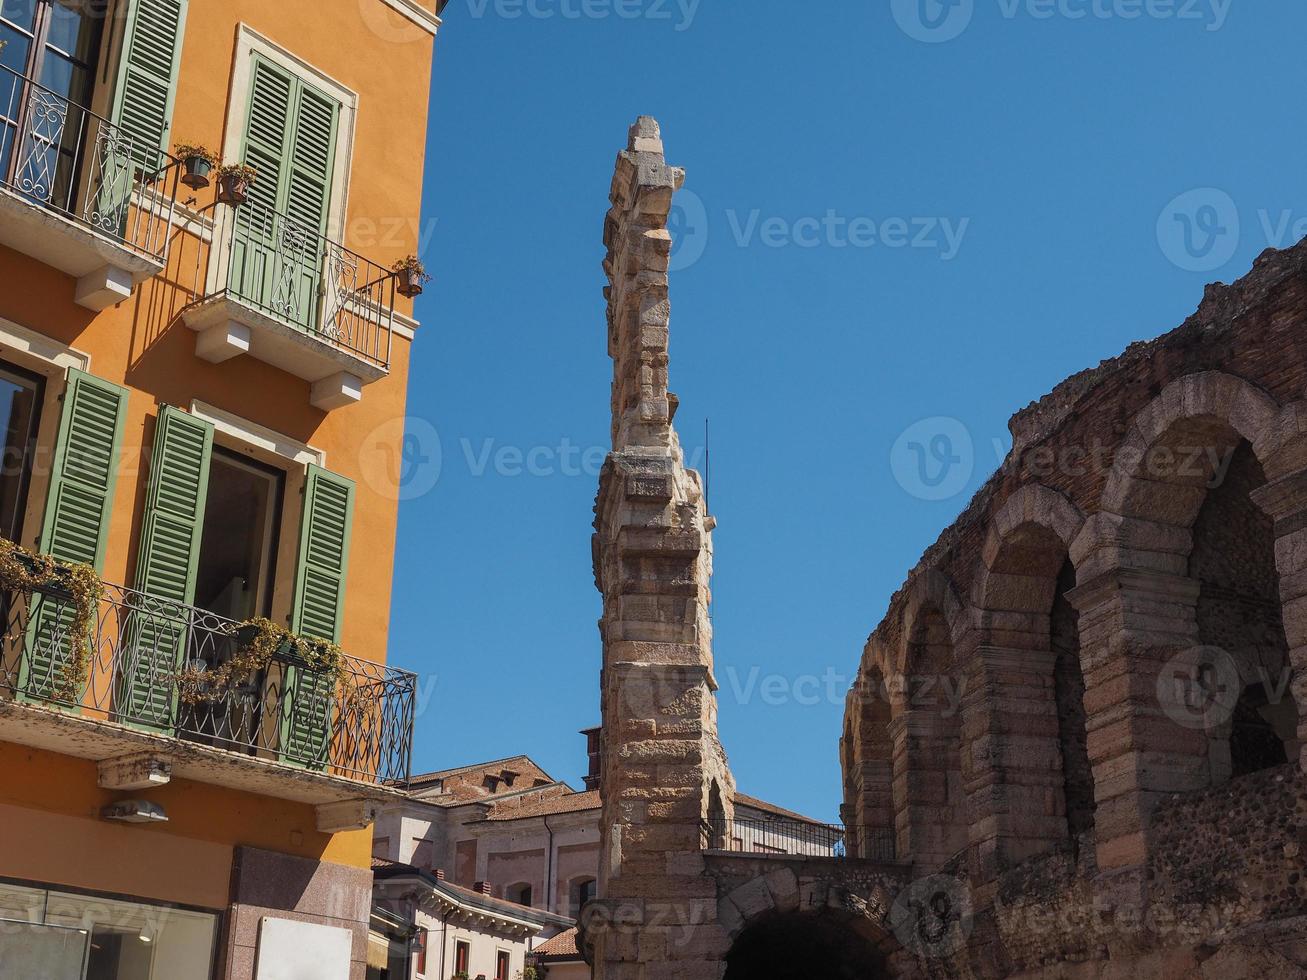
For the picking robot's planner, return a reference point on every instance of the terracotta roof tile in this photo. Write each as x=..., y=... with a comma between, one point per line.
x=757, y=804
x=539, y=807
x=562, y=946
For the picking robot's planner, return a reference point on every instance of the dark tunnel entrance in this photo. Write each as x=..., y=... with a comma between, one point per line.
x=797, y=946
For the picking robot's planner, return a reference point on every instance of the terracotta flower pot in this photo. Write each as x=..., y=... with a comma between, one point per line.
x=195, y=172
x=233, y=190
x=411, y=283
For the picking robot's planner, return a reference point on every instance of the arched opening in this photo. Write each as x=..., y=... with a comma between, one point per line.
x=870, y=776
x=1239, y=616
x=519, y=893
x=930, y=810
x=1069, y=696
x=579, y=891
x=1033, y=650
x=799, y=946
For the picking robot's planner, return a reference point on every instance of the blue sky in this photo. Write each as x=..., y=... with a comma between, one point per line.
x=898, y=213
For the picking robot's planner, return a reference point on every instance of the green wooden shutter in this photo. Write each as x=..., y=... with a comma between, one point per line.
x=319, y=602
x=290, y=138
x=312, y=159
x=147, y=76
x=77, y=509
x=155, y=643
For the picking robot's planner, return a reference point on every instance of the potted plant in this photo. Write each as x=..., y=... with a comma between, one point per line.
x=234, y=182
x=412, y=276
x=29, y=571
x=258, y=642
x=197, y=163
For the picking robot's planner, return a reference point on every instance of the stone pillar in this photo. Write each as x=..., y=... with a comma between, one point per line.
x=1013, y=766
x=1285, y=500
x=1134, y=622
x=868, y=812
x=930, y=821
x=666, y=785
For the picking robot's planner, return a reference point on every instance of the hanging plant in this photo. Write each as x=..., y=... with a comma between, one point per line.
x=412, y=276
x=258, y=643
x=197, y=163
x=234, y=183
x=22, y=570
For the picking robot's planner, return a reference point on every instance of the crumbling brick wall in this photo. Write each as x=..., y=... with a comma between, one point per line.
x=1114, y=538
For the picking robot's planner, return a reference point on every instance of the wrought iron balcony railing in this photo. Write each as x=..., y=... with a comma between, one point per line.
x=776, y=836
x=136, y=665
x=64, y=158
x=268, y=262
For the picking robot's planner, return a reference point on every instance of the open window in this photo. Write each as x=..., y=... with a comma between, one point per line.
x=238, y=543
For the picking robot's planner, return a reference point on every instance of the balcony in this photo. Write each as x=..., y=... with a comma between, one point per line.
x=74, y=195
x=795, y=838
x=119, y=688
x=288, y=296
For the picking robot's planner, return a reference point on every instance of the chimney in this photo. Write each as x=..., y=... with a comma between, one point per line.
x=439, y=873
x=592, y=748
x=482, y=886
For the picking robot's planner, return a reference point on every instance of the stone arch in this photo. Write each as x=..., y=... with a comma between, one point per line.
x=930, y=806
x=1033, y=790
x=783, y=927
x=1181, y=582
x=1205, y=408
x=930, y=590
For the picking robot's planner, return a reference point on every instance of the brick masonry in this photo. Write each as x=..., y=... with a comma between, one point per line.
x=1125, y=606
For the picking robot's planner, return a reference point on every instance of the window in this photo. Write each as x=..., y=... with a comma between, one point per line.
x=580, y=891
x=20, y=402
x=501, y=965
x=290, y=138
x=420, y=953
x=519, y=893
x=462, y=953
x=50, y=933
x=238, y=543
x=56, y=45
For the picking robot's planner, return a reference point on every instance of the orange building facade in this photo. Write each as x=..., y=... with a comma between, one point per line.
x=202, y=394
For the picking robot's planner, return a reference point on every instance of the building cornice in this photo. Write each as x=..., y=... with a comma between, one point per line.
x=413, y=11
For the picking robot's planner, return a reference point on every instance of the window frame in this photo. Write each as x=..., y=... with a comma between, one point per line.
x=463, y=951
x=250, y=43
x=38, y=387
x=274, y=533
x=505, y=957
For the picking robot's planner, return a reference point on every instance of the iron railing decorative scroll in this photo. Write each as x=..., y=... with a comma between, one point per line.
x=356, y=722
x=64, y=158
x=271, y=263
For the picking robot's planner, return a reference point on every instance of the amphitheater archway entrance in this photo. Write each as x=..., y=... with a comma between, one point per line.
x=804, y=946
